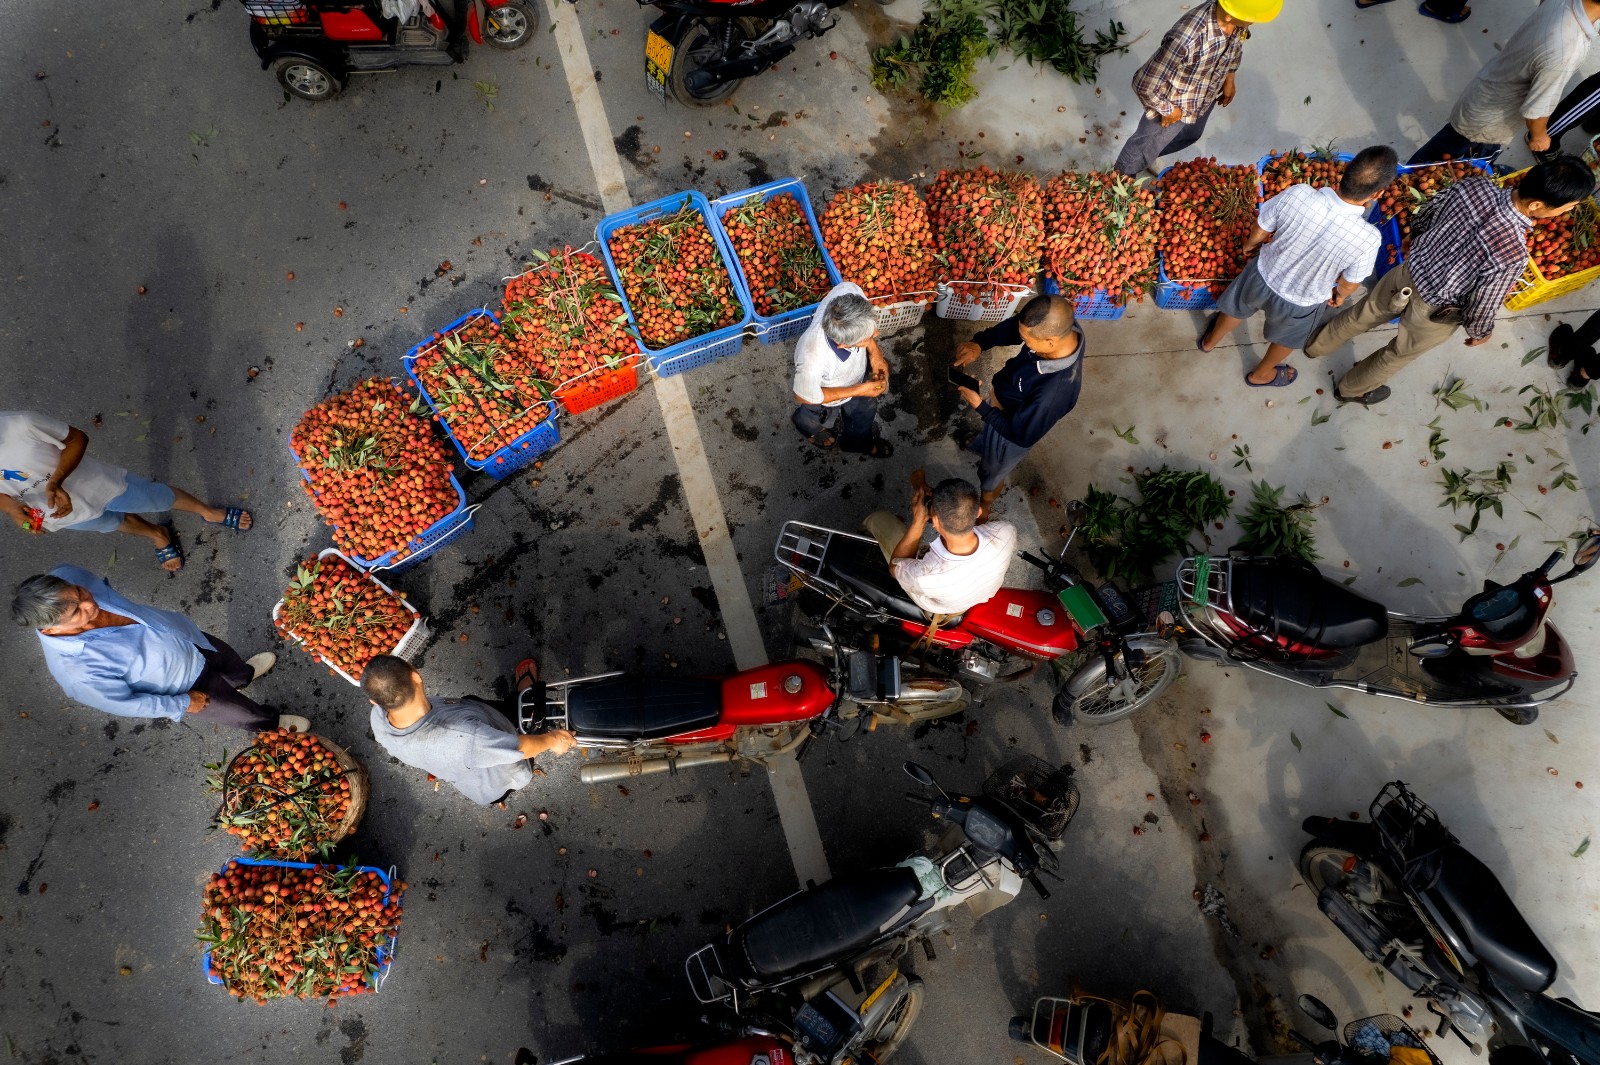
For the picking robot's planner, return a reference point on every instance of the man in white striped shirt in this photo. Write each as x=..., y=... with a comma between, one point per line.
x=1316, y=249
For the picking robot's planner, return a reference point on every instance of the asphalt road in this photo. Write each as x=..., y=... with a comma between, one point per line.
x=156, y=194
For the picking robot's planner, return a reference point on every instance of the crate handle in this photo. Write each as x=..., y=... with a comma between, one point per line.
x=417, y=556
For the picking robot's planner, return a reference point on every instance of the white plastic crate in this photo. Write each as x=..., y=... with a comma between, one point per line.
x=410, y=644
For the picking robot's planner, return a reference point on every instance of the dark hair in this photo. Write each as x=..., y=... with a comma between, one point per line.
x=955, y=504
x=1563, y=180
x=1049, y=316
x=387, y=681
x=40, y=601
x=1370, y=172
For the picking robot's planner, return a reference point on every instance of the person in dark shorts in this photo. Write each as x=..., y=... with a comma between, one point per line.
x=1316, y=248
x=469, y=742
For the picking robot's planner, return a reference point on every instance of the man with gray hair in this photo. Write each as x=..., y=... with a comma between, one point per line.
x=136, y=661
x=839, y=373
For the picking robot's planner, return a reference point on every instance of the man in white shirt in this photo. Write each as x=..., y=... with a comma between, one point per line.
x=964, y=566
x=47, y=483
x=1316, y=249
x=839, y=373
x=1520, y=88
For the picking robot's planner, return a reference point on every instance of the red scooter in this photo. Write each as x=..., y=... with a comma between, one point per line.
x=313, y=46
x=757, y=1048
x=849, y=591
x=635, y=724
x=1284, y=618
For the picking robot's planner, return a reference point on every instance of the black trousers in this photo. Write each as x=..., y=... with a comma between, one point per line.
x=224, y=674
x=1579, y=108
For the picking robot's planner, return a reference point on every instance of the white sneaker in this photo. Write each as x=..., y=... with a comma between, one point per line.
x=260, y=665
x=294, y=723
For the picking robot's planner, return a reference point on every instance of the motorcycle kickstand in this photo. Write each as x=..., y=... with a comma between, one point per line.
x=927, y=949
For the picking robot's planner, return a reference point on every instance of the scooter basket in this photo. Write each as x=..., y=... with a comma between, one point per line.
x=1043, y=795
x=1410, y=829
x=1394, y=1031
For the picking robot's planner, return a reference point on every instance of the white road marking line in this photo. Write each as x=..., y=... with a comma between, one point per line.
x=688, y=451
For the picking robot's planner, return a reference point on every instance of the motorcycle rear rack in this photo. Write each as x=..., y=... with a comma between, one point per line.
x=1410, y=829
x=554, y=699
x=705, y=973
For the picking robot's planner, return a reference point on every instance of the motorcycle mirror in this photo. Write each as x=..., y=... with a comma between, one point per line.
x=920, y=775
x=1076, y=512
x=1587, y=554
x=1319, y=1011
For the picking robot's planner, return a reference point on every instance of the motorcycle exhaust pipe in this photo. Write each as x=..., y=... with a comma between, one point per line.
x=605, y=772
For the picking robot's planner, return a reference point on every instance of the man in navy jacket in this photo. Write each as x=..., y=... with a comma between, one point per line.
x=1037, y=387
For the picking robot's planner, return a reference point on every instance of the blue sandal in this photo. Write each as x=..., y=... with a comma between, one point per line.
x=1282, y=375
x=173, y=550
x=231, y=518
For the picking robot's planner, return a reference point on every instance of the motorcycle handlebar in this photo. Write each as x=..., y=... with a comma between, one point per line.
x=1038, y=885
x=1550, y=563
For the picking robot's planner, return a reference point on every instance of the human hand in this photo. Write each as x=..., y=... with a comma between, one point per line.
x=1336, y=300
x=966, y=353
x=1473, y=342
x=1175, y=115
x=1540, y=143
x=872, y=386
x=1228, y=91
x=197, y=702
x=971, y=398
x=60, y=502
x=561, y=742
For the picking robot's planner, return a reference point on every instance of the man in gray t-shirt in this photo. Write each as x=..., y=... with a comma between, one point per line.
x=465, y=742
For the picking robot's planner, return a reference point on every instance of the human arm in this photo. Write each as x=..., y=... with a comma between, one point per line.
x=111, y=694
x=560, y=741
x=12, y=508
x=72, y=449
x=911, y=542
x=878, y=366
x=1173, y=59
x=1538, y=134
x=1229, y=90
x=1343, y=290
x=1257, y=237
x=1479, y=309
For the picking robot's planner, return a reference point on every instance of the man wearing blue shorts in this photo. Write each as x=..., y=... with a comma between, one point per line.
x=48, y=483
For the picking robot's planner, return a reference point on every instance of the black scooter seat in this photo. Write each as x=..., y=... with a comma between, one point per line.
x=1293, y=600
x=1488, y=920
x=824, y=924
x=859, y=565
x=643, y=708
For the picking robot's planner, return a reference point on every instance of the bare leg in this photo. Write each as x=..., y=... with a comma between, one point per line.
x=1267, y=369
x=1221, y=326
x=986, y=501
x=190, y=505
x=137, y=526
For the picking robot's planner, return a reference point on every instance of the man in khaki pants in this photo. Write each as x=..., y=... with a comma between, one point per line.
x=1469, y=246
x=964, y=566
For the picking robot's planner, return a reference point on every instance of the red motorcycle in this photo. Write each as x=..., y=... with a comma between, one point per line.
x=635, y=724
x=313, y=46
x=1284, y=618
x=850, y=596
x=757, y=1048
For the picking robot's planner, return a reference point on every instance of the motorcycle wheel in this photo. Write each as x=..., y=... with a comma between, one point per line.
x=510, y=26
x=1322, y=866
x=306, y=78
x=1098, y=702
x=896, y=1026
x=702, y=45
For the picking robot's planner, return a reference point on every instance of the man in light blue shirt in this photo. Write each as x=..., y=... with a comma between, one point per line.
x=137, y=661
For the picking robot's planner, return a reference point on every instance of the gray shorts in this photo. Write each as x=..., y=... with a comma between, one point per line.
x=1287, y=323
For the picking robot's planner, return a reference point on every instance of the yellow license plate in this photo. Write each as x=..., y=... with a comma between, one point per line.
x=657, y=61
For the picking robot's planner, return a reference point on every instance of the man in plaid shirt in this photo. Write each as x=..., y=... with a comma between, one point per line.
x=1190, y=73
x=1469, y=245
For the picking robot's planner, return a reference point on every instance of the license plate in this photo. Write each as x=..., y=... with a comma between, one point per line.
x=657, y=62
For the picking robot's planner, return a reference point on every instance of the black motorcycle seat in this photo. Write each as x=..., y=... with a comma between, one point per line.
x=643, y=708
x=1293, y=600
x=859, y=565
x=823, y=924
x=1488, y=920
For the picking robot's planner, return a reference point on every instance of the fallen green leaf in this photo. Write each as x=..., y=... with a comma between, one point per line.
x=1126, y=434
x=1337, y=712
x=1582, y=847
x=1409, y=581
x=1296, y=741
x=1551, y=736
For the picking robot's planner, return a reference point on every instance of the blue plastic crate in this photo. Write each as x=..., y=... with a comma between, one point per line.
x=1097, y=304
x=1171, y=295
x=515, y=455
x=789, y=324
x=385, y=953
x=448, y=528
x=1389, y=228
x=1261, y=165
x=700, y=350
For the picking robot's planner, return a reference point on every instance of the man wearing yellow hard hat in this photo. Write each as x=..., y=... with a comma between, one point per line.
x=1190, y=73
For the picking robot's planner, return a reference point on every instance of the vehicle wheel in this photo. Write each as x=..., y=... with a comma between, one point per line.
x=1089, y=694
x=510, y=26
x=896, y=1025
x=1518, y=715
x=1379, y=900
x=707, y=41
x=306, y=78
